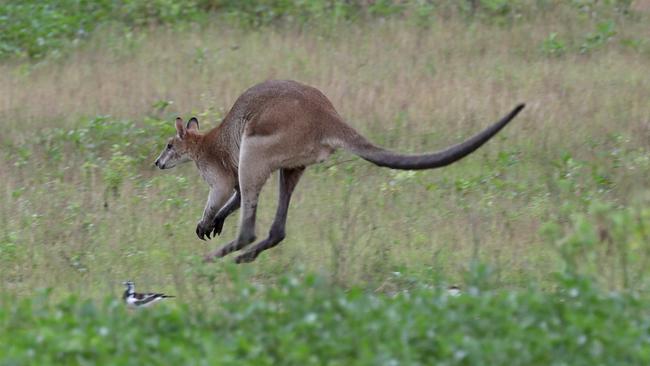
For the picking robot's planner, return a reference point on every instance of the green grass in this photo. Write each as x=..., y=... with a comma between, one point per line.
x=84, y=208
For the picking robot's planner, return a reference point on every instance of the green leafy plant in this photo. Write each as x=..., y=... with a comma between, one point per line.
x=604, y=32
x=304, y=320
x=117, y=169
x=608, y=243
x=553, y=45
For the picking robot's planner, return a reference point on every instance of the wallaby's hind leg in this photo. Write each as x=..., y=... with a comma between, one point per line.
x=288, y=180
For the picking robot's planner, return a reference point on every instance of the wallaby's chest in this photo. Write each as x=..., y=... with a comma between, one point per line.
x=209, y=174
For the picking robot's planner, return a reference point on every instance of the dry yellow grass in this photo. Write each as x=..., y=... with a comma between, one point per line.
x=408, y=88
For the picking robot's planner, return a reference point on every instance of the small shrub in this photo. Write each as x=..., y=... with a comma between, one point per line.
x=553, y=45
x=117, y=168
x=609, y=243
x=604, y=32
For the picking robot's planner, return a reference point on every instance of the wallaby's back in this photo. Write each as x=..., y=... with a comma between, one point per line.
x=289, y=107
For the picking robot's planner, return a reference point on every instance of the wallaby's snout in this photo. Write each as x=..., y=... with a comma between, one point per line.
x=157, y=163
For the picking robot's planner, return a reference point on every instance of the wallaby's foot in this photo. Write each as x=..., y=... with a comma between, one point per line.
x=233, y=246
x=216, y=254
x=247, y=257
x=219, y=253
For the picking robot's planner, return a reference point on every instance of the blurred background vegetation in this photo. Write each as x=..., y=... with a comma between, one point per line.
x=546, y=229
x=33, y=28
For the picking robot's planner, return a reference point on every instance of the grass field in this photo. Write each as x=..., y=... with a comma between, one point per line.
x=563, y=189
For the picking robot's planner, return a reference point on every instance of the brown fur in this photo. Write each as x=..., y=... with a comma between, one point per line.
x=280, y=125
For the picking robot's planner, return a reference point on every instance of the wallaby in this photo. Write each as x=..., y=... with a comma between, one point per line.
x=280, y=125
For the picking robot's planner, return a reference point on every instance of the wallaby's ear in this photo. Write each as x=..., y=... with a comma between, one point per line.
x=193, y=124
x=180, y=128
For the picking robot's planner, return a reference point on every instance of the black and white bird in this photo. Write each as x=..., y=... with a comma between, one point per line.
x=136, y=300
x=453, y=290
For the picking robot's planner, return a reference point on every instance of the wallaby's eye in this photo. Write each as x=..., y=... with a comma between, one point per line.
x=169, y=146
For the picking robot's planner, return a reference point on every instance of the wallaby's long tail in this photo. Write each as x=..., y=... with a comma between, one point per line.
x=358, y=145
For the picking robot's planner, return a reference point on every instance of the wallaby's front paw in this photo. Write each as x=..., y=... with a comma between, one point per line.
x=203, y=230
x=218, y=226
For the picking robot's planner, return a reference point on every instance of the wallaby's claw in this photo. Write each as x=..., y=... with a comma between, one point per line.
x=218, y=226
x=202, y=231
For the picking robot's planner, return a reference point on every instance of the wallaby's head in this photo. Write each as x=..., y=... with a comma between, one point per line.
x=180, y=147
